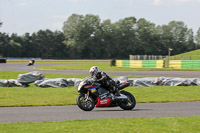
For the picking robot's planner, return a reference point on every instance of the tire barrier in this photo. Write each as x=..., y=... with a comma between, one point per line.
x=39, y=80
x=10, y=83
x=164, y=81
x=2, y=60
x=63, y=82
x=140, y=63
x=181, y=64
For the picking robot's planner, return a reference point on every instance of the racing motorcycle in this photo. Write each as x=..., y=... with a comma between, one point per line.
x=93, y=94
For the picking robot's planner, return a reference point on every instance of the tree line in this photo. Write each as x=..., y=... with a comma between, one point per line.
x=87, y=37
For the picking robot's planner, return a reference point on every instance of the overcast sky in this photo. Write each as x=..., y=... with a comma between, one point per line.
x=21, y=16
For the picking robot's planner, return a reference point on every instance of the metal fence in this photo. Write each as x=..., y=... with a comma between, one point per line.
x=21, y=58
x=146, y=57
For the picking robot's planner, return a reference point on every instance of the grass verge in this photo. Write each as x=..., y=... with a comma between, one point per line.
x=107, y=67
x=25, y=61
x=129, y=125
x=14, y=75
x=36, y=96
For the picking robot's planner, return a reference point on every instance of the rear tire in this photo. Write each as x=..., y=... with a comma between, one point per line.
x=130, y=104
x=86, y=105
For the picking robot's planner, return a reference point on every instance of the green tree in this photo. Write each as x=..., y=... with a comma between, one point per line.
x=177, y=36
x=1, y=23
x=4, y=42
x=49, y=44
x=60, y=50
x=189, y=42
x=29, y=47
x=106, y=38
x=44, y=42
x=145, y=32
x=8, y=45
x=124, y=38
x=197, y=39
x=80, y=32
x=89, y=37
x=71, y=29
x=14, y=46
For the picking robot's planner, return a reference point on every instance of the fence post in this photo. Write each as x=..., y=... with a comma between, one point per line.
x=138, y=57
x=167, y=61
x=190, y=57
x=130, y=57
x=145, y=57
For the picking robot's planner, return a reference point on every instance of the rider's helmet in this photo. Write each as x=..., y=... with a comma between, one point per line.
x=93, y=71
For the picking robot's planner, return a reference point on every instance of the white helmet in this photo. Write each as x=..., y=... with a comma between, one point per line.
x=93, y=71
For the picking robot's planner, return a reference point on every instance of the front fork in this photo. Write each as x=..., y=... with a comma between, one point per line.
x=87, y=95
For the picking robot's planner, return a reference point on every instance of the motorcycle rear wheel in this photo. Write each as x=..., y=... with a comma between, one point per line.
x=130, y=104
x=85, y=104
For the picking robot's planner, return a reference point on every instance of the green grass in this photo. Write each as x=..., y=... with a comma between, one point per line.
x=102, y=67
x=128, y=125
x=9, y=74
x=10, y=61
x=36, y=96
x=192, y=55
x=165, y=93
x=107, y=67
x=194, y=52
x=14, y=75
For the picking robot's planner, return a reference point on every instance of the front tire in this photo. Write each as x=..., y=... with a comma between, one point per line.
x=130, y=103
x=85, y=104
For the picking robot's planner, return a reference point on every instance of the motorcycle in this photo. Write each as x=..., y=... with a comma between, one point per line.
x=93, y=94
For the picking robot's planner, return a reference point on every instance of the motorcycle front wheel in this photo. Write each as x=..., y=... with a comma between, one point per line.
x=128, y=104
x=86, y=104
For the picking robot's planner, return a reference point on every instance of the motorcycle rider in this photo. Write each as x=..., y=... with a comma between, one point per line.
x=102, y=78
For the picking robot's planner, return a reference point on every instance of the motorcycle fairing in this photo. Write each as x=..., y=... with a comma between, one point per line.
x=92, y=89
x=102, y=90
x=103, y=102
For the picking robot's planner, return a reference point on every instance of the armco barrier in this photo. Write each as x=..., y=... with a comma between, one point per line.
x=140, y=63
x=176, y=64
x=179, y=64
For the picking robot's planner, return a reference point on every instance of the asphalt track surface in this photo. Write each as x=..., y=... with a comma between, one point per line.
x=60, y=113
